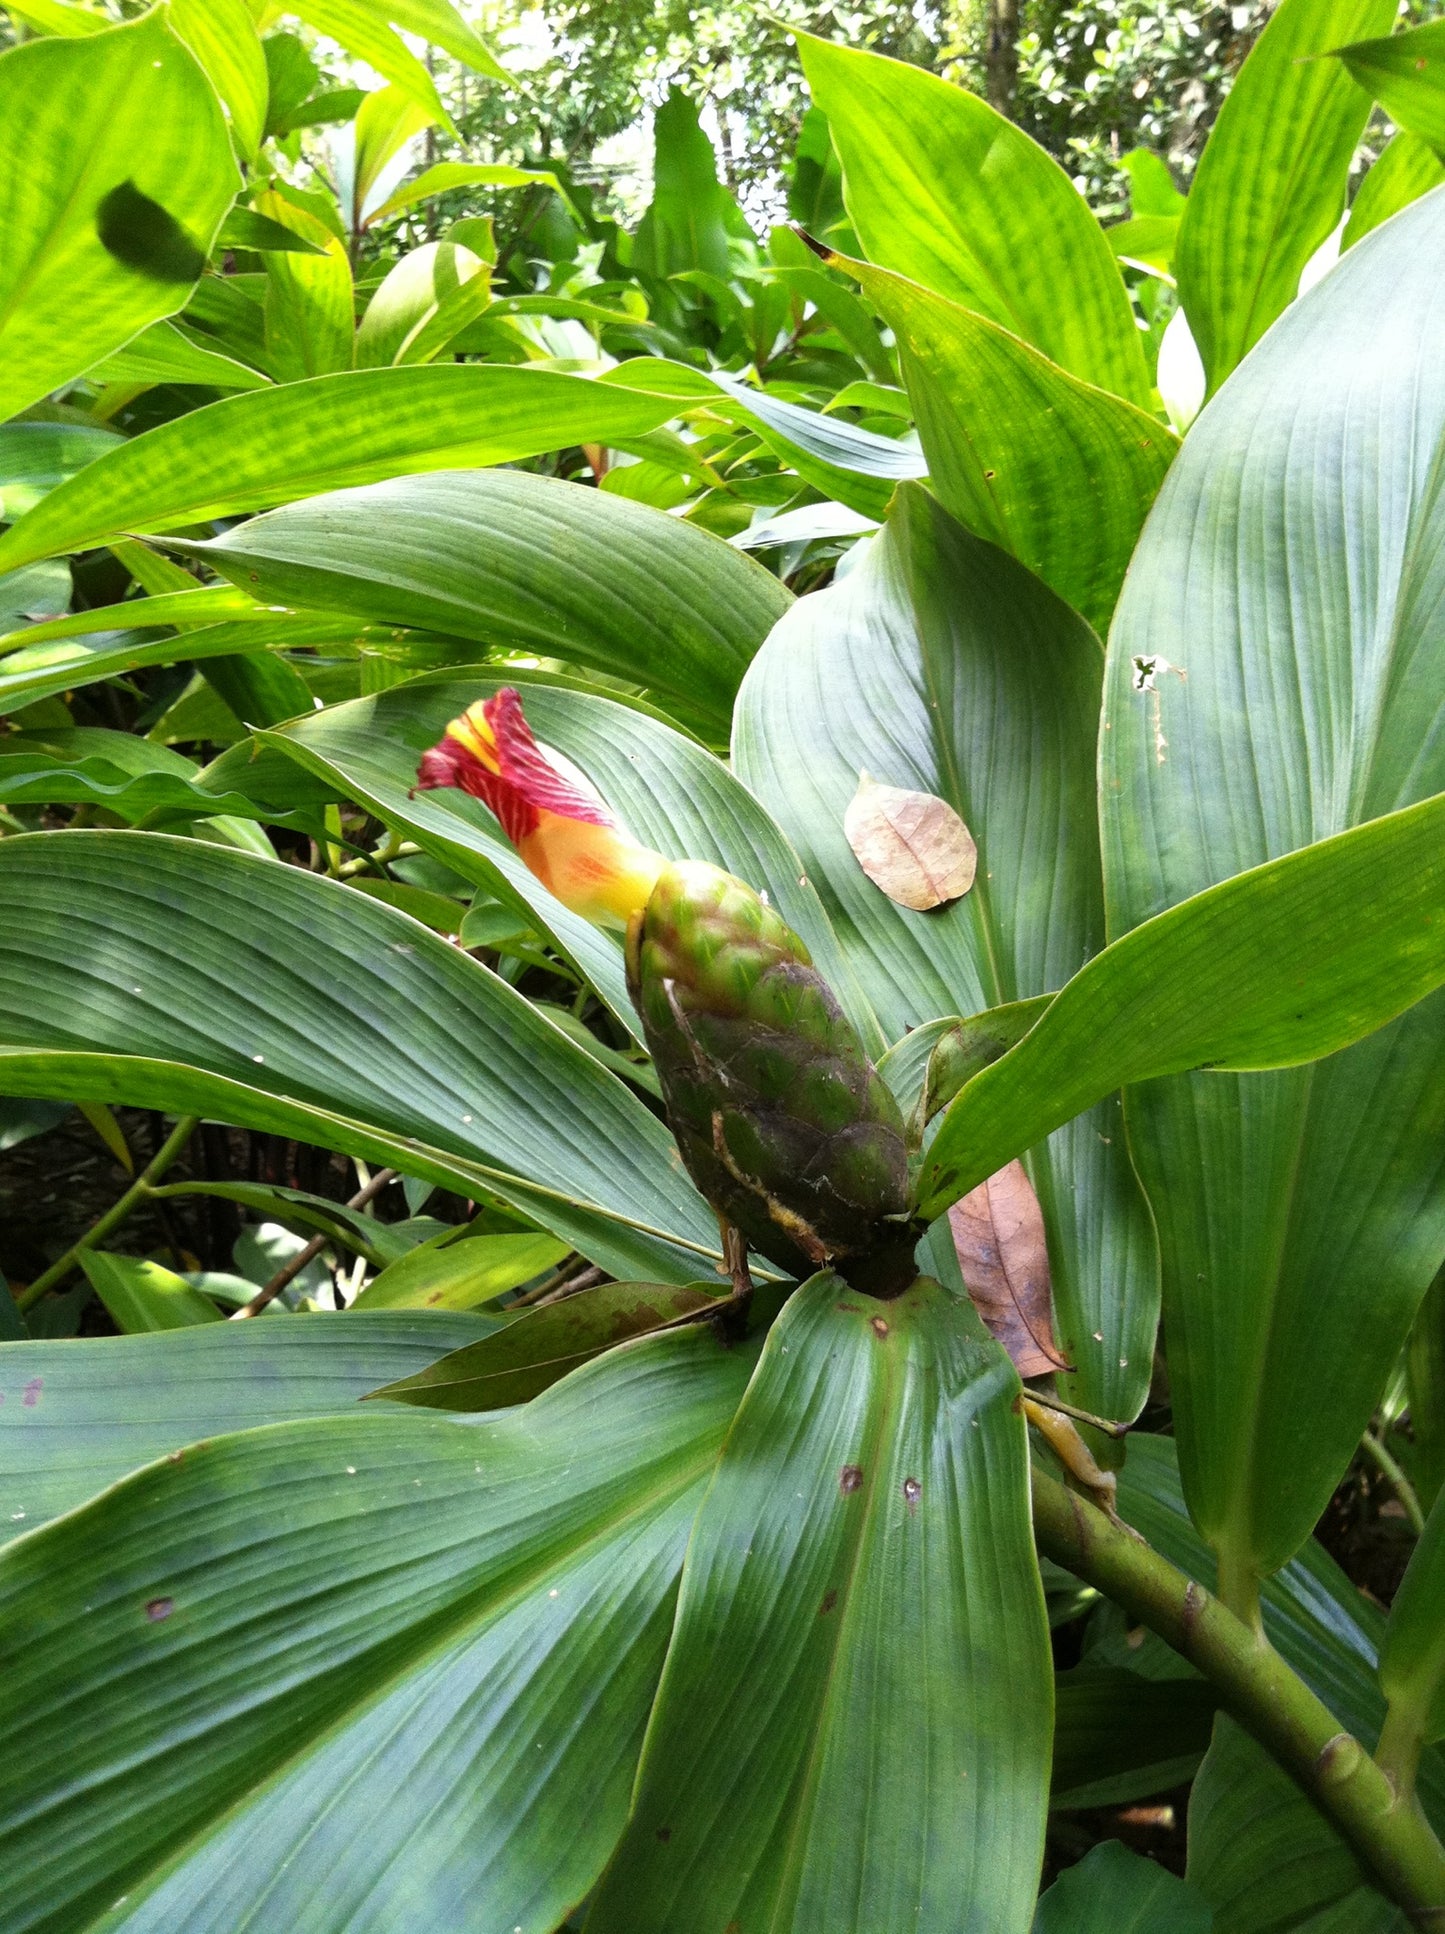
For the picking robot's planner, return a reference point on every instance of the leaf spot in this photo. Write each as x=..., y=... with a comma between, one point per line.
x=664, y=1834
x=912, y=1492
x=850, y=1479
x=30, y=1395
x=830, y=1599
x=159, y=1608
x=879, y=1327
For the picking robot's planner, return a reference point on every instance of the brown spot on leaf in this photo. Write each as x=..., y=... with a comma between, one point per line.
x=159, y=1608
x=830, y=1599
x=175, y=1457
x=998, y=1234
x=912, y=845
x=664, y=1834
x=30, y=1396
x=850, y=1479
x=879, y=1327
x=912, y=1492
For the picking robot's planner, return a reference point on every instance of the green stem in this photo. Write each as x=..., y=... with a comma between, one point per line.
x=1402, y=1740
x=1384, y=1826
x=1398, y=1482
x=28, y=1297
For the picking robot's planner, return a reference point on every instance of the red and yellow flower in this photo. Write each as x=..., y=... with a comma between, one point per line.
x=563, y=832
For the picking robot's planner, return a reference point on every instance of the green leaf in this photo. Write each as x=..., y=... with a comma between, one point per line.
x=411, y=295
x=295, y=1209
x=1119, y=1736
x=36, y=457
x=1114, y=1891
x=445, y=175
x=1271, y=182
x=79, y=1414
x=1057, y=472
x=243, y=228
x=309, y=304
x=115, y=171
x=1300, y=706
x=852, y=1727
x=222, y=36
x=343, y=1643
x=1406, y=170
x=386, y=123
x=360, y=27
x=300, y=438
x=938, y=664
x=276, y=999
x=543, y=1345
x=202, y=604
x=1405, y=73
x=1412, y=1660
x=686, y=224
x=161, y=354
x=671, y=794
x=87, y=765
x=944, y=190
x=1151, y=186
x=460, y=1270
x=443, y=25
x=143, y=1296
x=1283, y=965
x=525, y=564
x=61, y=17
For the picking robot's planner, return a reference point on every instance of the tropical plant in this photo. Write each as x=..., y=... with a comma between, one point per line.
x=729, y=1458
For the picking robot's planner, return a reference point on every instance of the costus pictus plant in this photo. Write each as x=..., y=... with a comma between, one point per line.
x=788, y=891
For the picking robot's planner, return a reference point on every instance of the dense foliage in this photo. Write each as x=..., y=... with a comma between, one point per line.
x=777, y=1306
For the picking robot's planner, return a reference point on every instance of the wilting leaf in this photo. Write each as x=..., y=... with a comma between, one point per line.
x=998, y=1231
x=912, y=845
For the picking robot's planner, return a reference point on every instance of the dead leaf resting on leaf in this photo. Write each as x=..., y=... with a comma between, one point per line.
x=911, y=844
x=998, y=1234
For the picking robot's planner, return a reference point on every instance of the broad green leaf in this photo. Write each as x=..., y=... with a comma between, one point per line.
x=61, y=17
x=1405, y=73
x=1283, y=965
x=143, y=1296
x=1406, y=170
x=947, y=192
x=361, y=28
x=243, y=228
x=222, y=36
x=115, y=171
x=1119, y=1736
x=435, y=20
x=297, y=439
x=36, y=457
x=1114, y=1891
x=295, y=1209
x=1266, y=1858
x=543, y=1345
x=1285, y=592
x=161, y=354
x=671, y=794
x=309, y=303
x=410, y=296
x=1057, y=472
x=1412, y=1660
x=686, y=225
x=375, y=150
x=852, y=1727
x=201, y=604
x=127, y=775
x=179, y=975
x=525, y=564
x=79, y=1414
x=940, y=665
x=1151, y=186
x=462, y=174
x=460, y=1270
x=342, y=1644
x=1271, y=182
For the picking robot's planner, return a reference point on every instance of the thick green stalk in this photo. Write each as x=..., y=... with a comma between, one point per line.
x=28, y=1297
x=1385, y=1828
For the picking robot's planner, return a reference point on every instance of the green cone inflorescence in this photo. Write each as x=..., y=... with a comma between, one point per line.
x=782, y=1120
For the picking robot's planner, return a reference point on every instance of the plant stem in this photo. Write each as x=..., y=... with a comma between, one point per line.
x=289, y=1271
x=1384, y=1827
x=28, y=1297
x=1404, y=1490
x=1402, y=1740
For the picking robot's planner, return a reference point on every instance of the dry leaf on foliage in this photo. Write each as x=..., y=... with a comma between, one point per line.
x=911, y=844
x=998, y=1233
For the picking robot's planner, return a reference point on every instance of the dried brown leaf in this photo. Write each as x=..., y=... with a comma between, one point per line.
x=911, y=844
x=998, y=1234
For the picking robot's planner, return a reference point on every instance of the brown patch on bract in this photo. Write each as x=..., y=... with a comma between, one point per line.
x=912, y=845
x=850, y=1479
x=998, y=1233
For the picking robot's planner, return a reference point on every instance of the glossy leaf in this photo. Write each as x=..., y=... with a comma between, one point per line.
x=280, y=1000
x=343, y=1642
x=852, y=1727
x=1291, y=572
x=142, y=1296
x=80, y=1413
x=297, y=439
x=1408, y=168
x=527, y=564
x=1405, y=73
x=1284, y=965
x=115, y=171
x=1114, y=1891
x=671, y=794
x=411, y=297
x=1058, y=472
x=940, y=664
x=1271, y=182
x=943, y=189
x=459, y=1270
x=542, y=1345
